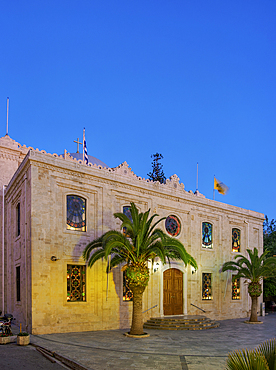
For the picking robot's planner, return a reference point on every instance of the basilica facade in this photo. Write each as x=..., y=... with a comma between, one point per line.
x=53, y=205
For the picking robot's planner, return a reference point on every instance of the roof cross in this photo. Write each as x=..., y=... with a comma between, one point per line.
x=78, y=143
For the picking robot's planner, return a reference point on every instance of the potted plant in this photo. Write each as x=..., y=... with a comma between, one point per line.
x=23, y=338
x=4, y=338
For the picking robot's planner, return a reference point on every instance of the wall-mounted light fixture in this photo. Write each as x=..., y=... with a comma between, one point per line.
x=155, y=266
x=193, y=270
x=54, y=258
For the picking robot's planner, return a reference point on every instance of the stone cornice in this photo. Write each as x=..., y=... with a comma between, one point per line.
x=122, y=177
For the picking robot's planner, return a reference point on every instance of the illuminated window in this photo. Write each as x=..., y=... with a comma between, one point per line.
x=126, y=211
x=236, y=240
x=207, y=235
x=236, y=289
x=207, y=286
x=76, y=278
x=127, y=293
x=172, y=225
x=18, y=219
x=76, y=213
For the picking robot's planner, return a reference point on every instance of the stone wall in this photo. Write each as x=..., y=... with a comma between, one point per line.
x=42, y=183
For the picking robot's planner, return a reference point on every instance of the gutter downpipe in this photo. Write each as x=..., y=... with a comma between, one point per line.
x=3, y=248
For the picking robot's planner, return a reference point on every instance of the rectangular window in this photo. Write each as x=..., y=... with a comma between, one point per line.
x=127, y=293
x=76, y=213
x=236, y=240
x=76, y=283
x=236, y=289
x=207, y=286
x=207, y=235
x=126, y=211
x=18, y=219
x=18, y=298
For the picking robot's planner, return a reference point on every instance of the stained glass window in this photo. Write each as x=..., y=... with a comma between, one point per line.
x=236, y=289
x=172, y=225
x=76, y=278
x=207, y=286
x=127, y=293
x=76, y=213
x=207, y=235
x=236, y=240
x=126, y=211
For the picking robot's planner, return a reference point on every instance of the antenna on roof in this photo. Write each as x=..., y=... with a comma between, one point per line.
x=7, y=130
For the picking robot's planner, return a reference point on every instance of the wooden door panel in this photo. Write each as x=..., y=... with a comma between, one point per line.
x=173, y=292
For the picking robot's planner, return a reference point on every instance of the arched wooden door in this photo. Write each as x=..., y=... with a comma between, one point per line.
x=173, y=292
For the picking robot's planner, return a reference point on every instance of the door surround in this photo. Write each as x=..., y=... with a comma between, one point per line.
x=180, y=266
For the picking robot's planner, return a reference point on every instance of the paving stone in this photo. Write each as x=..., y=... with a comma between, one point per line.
x=176, y=350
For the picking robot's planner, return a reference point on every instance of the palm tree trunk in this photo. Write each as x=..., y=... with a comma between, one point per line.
x=137, y=316
x=254, y=309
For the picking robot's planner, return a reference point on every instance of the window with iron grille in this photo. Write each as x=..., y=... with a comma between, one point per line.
x=236, y=289
x=207, y=286
x=76, y=283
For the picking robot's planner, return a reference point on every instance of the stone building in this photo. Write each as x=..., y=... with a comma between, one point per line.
x=53, y=205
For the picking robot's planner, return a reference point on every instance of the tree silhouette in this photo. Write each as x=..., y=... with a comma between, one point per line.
x=157, y=173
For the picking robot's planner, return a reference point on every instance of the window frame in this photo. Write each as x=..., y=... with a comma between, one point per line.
x=18, y=220
x=211, y=286
x=232, y=231
x=83, y=267
x=239, y=288
x=72, y=228
x=18, y=283
x=202, y=245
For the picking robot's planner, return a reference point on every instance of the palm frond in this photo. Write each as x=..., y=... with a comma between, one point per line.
x=95, y=257
x=268, y=349
x=246, y=360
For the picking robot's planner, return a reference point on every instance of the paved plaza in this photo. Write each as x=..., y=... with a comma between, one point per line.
x=164, y=349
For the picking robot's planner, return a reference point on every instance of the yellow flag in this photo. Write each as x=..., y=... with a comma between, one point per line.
x=220, y=187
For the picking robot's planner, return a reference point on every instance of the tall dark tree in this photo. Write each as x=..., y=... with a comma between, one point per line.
x=269, y=235
x=157, y=173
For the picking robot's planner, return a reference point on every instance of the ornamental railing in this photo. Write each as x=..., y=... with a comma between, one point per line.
x=150, y=308
x=198, y=307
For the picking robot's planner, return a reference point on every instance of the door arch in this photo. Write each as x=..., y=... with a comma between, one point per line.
x=173, y=292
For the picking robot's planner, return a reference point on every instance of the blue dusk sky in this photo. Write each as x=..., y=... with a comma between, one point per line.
x=193, y=80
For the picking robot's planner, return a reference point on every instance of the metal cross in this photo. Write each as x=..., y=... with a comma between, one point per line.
x=78, y=143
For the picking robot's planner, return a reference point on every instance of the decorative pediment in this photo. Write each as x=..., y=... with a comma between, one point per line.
x=124, y=169
x=173, y=182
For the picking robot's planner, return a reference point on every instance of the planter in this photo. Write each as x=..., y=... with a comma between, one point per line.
x=23, y=340
x=5, y=340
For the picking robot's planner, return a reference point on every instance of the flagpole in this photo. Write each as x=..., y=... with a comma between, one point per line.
x=7, y=130
x=197, y=176
x=83, y=139
x=214, y=189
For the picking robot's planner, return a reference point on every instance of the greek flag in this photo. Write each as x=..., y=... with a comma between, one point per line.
x=85, y=155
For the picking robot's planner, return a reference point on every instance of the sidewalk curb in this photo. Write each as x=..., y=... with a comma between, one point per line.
x=65, y=360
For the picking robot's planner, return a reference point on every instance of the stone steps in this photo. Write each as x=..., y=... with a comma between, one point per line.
x=181, y=322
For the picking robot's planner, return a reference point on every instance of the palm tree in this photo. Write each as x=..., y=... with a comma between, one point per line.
x=261, y=358
x=253, y=269
x=139, y=243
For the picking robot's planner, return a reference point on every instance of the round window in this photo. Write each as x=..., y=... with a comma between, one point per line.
x=172, y=225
